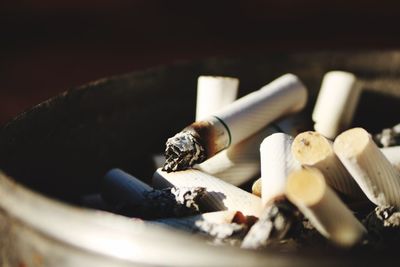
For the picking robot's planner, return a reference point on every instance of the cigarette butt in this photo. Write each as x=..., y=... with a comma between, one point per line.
x=220, y=195
x=314, y=150
x=276, y=164
x=336, y=103
x=234, y=123
x=373, y=172
x=121, y=187
x=308, y=190
x=256, y=189
x=393, y=155
x=213, y=93
x=239, y=163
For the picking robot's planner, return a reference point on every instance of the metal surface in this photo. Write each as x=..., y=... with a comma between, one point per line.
x=61, y=149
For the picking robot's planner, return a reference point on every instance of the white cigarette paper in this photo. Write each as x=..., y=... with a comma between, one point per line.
x=336, y=103
x=276, y=164
x=373, y=172
x=239, y=163
x=220, y=195
x=308, y=190
x=254, y=111
x=393, y=155
x=314, y=150
x=213, y=93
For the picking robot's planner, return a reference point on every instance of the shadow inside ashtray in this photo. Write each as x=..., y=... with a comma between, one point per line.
x=376, y=111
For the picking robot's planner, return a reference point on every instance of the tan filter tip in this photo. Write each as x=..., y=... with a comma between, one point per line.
x=308, y=190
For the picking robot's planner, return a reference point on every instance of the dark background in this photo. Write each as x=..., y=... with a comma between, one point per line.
x=48, y=46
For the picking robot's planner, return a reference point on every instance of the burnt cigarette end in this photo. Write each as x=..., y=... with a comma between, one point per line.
x=383, y=225
x=172, y=202
x=183, y=151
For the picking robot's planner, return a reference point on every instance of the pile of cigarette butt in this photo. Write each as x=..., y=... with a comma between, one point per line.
x=327, y=185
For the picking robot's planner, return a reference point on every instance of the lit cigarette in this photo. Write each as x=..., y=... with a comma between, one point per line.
x=313, y=149
x=239, y=163
x=308, y=190
x=373, y=172
x=220, y=195
x=234, y=123
x=276, y=164
x=213, y=93
x=393, y=155
x=336, y=103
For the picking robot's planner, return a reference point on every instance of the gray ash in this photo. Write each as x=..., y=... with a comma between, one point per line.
x=383, y=226
x=223, y=233
x=172, y=202
x=274, y=223
x=182, y=152
x=388, y=137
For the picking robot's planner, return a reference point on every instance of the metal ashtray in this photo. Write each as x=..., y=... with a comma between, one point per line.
x=59, y=150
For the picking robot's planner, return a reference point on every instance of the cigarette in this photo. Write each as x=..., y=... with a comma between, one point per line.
x=274, y=223
x=239, y=163
x=373, y=172
x=220, y=195
x=314, y=150
x=213, y=93
x=337, y=100
x=234, y=123
x=256, y=188
x=120, y=187
x=131, y=197
x=277, y=162
x=308, y=190
x=393, y=155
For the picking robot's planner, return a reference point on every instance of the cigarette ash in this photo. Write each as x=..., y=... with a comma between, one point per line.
x=383, y=225
x=172, y=202
x=388, y=136
x=223, y=233
x=182, y=152
x=273, y=225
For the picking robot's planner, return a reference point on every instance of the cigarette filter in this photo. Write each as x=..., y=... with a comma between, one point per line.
x=213, y=93
x=220, y=195
x=234, y=123
x=257, y=187
x=308, y=190
x=393, y=155
x=336, y=103
x=276, y=164
x=314, y=150
x=373, y=172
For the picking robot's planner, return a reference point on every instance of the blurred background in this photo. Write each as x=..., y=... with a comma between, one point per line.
x=48, y=46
